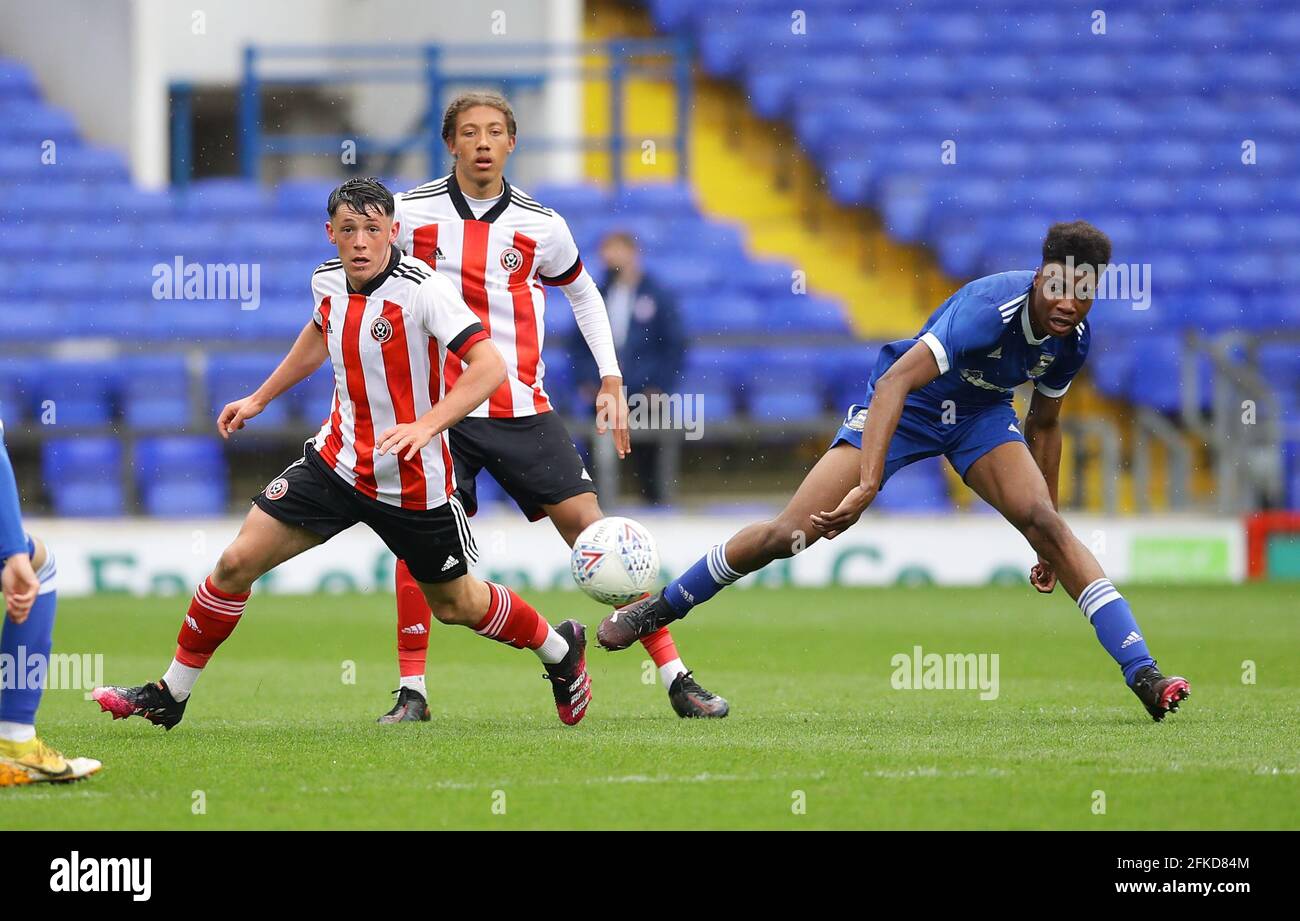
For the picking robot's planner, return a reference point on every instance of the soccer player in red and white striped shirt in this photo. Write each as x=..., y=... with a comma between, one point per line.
x=383, y=321
x=500, y=247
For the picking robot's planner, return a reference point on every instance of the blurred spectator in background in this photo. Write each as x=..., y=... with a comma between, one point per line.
x=651, y=345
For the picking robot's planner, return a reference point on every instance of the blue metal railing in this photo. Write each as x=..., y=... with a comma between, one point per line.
x=436, y=68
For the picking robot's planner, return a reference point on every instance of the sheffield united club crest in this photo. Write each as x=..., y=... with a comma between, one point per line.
x=381, y=330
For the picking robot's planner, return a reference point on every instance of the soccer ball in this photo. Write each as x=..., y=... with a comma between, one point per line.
x=615, y=561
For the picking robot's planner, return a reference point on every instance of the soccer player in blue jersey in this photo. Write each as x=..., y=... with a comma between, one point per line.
x=949, y=392
x=28, y=583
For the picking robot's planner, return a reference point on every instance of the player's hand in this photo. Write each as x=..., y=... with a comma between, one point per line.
x=611, y=412
x=1042, y=576
x=20, y=586
x=409, y=436
x=846, y=514
x=235, y=414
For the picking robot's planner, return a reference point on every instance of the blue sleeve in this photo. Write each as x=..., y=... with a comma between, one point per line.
x=12, y=537
x=1056, y=379
x=971, y=323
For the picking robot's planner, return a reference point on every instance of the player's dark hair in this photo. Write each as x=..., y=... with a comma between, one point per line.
x=1078, y=241
x=362, y=196
x=470, y=100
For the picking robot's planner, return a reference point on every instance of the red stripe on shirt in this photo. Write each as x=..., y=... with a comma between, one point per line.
x=526, y=345
x=473, y=266
x=363, y=440
x=424, y=244
x=334, y=440
x=397, y=374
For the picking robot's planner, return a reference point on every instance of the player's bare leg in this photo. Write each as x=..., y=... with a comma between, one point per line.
x=749, y=550
x=494, y=611
x=262, y=544
x=687, y=697
x=1009, y=480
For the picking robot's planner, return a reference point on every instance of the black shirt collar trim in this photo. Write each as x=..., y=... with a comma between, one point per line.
x=467, y=213
x=370, y=287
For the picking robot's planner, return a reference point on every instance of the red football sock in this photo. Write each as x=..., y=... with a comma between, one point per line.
x=512, y=620
x=413, y=618
x=661, y=647
x=211, y=618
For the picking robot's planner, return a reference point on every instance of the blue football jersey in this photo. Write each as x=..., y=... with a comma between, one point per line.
x=985, y=347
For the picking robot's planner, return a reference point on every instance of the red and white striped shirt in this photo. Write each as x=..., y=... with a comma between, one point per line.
x=386, y=343
x=499, y=261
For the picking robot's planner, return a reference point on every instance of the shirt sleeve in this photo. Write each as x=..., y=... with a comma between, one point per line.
x=444, y=316
x=972, y=322
x=317, y=298
x=13, y=539
x=560, y=262
x=1056, y=380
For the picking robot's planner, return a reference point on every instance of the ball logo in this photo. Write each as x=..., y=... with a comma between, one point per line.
x=277, y=488
x=381, y=330
x=512, y=259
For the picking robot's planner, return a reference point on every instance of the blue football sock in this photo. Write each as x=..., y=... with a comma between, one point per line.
x=706, y=578
x=1112, y=618
x=22, y=646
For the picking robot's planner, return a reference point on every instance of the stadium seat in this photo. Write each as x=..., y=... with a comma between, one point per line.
x=83, y=476
x=180, y=476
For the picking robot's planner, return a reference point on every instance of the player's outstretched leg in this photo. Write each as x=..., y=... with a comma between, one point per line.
x=24, y=757
x=749, y=550
x=215, y=610
x=686, y=696
x=413, y=620
x=496, y=612
x=1009, y=480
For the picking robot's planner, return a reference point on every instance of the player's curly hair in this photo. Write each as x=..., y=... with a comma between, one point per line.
x=470, y=100
x=1077, y=240
x=362, y=196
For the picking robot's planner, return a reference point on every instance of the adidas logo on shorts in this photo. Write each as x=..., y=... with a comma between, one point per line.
x=451, y=561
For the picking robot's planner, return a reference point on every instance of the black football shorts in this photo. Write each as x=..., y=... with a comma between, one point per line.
x=532, y=457
x=435, y=543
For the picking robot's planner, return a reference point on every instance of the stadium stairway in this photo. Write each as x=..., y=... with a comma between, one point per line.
x=750, y=171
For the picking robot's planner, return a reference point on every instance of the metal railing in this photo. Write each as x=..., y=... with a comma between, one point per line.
x=438, y=69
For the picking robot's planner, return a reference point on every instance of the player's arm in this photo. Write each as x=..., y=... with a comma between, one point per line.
x=564, y=269
x=307, y=354
x=20, y=584
x=916, y=368
x=1043, y=435
x=485, y=371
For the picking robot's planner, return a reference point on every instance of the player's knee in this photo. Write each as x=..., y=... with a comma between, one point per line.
x=235, y=571
x=1042, y=525
x=782, y=539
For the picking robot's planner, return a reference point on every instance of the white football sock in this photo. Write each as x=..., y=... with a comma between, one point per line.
x=180, y=679
x=17, y=732
x=669, y=671
x=553, y=648
x=415, y=683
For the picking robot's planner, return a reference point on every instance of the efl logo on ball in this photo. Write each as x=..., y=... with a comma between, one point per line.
x=615, y=561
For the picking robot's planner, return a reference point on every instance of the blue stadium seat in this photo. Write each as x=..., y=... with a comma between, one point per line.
x=156, y=393
x=83, y=476
x=234, y=376
x=180, y=476
x=78, y=393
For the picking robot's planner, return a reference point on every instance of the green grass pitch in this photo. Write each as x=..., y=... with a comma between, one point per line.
x=818, y=738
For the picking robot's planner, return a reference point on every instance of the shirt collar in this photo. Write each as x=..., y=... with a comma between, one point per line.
x=463, y=209
x=1024, y=322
